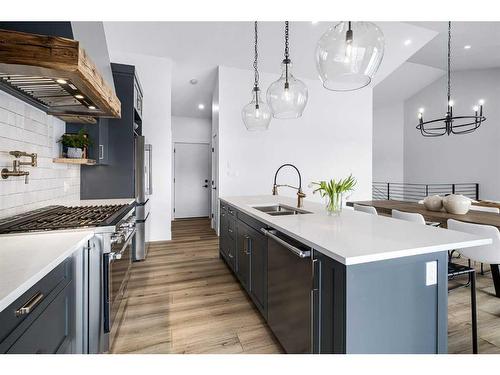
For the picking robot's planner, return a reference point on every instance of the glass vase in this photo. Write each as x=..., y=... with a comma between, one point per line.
x=334, y=203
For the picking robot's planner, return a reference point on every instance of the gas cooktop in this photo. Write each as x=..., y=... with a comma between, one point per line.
x=63, y=217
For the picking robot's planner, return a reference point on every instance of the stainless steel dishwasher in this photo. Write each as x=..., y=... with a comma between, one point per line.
x=289, y=292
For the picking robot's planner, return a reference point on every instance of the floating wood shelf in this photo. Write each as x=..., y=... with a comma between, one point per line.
x=74, y=161
x=56, y=75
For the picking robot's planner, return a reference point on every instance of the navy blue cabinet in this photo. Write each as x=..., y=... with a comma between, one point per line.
x=114, y=142
x=243, y=246
x=227, y=243
x=41, y=321
x=328, y=299
x=244, y=249
x=99, y=136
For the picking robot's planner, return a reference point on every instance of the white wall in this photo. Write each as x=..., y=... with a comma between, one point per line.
x=191, y=129
x=25, y=128
x=388, y=151
x=155, y=76
x=333, y=138
x=473, y=157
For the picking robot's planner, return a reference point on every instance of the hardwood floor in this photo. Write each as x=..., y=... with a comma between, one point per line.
x=488, y=312
x=183, y=299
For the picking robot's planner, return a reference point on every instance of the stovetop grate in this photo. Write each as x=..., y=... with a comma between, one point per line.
x=62, y=217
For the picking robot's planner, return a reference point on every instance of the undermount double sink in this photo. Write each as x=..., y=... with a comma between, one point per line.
x=280, y=210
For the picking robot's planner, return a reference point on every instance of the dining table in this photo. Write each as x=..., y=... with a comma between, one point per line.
x=385, y=207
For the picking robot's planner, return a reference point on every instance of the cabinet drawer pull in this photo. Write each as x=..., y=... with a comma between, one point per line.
x=246, y=245
x=230, y=255
x=230, y=230
x=231, y=211
x=30, y=305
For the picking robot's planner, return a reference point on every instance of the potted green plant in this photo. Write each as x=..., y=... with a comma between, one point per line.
x=75, y=144
x=335, y=191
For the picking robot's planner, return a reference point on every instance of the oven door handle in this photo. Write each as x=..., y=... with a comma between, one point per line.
x=118, y=254
x=108, y=258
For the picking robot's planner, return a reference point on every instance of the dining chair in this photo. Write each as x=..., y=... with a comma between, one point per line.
x=454, y=270
x=495, y=210
x=485, y=254
x=489, y=254
x=408, y=216
x=368, y=209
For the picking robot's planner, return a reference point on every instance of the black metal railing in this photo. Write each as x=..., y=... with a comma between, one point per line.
x=416, y=192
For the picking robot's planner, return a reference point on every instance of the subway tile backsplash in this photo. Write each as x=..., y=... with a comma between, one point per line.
x=25, y=128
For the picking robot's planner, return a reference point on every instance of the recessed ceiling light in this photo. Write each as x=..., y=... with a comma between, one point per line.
x=201, y=106
x=193, y=81
x=407, y=42
x=79, y=96
x=468, y=46
x=61, y=81
x=314, y=22
x=91, y=107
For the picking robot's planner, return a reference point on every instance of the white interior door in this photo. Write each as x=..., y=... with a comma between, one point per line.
x=191, y=180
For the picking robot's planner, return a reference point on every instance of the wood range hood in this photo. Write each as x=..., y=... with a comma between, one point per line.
x=56, y=75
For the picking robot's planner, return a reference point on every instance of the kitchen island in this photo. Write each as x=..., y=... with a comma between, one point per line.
x=353, y=283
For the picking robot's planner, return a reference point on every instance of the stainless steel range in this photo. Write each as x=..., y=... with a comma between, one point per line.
x=105, y=266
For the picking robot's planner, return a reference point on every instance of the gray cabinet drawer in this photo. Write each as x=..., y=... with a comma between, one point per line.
x=14, y=324
x=50, y=332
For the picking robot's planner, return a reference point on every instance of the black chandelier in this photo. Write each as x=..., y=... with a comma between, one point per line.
x=451, y=124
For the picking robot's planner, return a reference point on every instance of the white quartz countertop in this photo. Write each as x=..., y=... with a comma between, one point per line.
x=26, y=258
x=355, y=237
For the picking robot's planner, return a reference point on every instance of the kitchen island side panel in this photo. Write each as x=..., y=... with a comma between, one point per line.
x=390, y=309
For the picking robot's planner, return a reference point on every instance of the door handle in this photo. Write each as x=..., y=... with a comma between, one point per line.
x=205, y=186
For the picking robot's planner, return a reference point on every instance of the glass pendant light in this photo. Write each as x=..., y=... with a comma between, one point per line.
x=349, y=54
x=287, y=97
x=256, y=114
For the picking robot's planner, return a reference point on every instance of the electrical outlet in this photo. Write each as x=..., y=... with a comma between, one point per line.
x=431, y=273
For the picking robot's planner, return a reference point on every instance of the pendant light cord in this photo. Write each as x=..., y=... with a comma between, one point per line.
x=449, y=61
x=256, y=51
x=287, y=54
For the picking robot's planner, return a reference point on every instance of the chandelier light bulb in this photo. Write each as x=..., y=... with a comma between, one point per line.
x=451, y=103
x=475, y=108
x=481, y=101
x=421, y=110
x=420, y=115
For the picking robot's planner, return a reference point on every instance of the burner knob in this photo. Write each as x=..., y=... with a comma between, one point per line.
x=117, y=238
x=115, y=256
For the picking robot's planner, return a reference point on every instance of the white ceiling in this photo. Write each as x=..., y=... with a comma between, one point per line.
x=483, y=37
x=197, y=48
x=405, y=81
